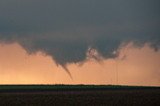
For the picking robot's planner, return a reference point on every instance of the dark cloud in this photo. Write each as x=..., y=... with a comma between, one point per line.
x=65, y=29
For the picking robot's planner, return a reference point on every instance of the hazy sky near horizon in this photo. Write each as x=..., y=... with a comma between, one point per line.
x=135, y=66
x=67, y=33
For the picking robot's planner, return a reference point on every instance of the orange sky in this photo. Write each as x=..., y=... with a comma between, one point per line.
x=135, y=66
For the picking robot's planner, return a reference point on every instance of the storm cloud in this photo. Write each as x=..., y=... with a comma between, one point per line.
x=66, y=29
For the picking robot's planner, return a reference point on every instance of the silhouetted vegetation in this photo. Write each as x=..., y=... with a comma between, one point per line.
x=36, y=95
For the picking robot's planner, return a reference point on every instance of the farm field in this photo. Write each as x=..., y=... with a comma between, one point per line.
x=45, y=95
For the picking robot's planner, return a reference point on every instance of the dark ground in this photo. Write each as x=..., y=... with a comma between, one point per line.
x=61, y=97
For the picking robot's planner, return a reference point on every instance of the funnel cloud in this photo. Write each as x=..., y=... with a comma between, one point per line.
x=66, y=29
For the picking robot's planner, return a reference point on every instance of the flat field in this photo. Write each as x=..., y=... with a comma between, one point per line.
x=74, y=95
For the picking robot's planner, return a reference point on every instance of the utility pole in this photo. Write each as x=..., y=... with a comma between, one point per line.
x=117, y=82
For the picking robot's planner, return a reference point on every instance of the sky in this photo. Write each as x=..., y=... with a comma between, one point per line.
x=80, y=42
